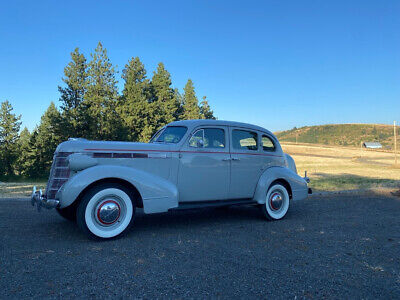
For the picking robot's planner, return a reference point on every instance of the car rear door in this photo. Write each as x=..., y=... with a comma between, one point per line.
x=246, y=164
x=204, y=165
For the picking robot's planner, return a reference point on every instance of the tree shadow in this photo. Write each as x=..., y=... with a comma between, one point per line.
x=345, y=181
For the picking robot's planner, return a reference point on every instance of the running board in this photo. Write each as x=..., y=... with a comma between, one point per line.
x=217, y=203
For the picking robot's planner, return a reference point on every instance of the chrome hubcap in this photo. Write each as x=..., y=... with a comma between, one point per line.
x=276, y=200
x=108, y=212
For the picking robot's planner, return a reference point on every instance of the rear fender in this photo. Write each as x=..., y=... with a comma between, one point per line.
x=158, y=194
x=297, y=184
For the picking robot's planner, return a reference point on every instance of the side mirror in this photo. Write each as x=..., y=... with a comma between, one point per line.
x=200, y=143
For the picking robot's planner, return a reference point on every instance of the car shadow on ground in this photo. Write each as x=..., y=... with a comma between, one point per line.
x=175, y=222
x=199, y=217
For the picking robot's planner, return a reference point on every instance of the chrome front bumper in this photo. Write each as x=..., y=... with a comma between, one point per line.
x=41, y=201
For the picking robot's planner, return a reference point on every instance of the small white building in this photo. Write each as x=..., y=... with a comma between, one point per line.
x=372, y=145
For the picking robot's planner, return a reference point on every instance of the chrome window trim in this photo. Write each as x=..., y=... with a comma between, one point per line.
x=271, y=139
x=203, y=128
x=193, y=134
x=248, y=130
x=169, y=143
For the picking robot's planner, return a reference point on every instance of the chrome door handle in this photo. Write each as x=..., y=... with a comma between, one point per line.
x=235, y=158
x=226, y=159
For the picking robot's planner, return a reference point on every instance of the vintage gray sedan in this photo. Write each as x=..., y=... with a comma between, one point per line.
x=187, y=164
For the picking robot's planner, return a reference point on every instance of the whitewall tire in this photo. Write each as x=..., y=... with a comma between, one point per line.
x=277, y=202
x=106, y=211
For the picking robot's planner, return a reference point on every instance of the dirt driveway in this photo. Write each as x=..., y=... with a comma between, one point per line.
x=327, y=247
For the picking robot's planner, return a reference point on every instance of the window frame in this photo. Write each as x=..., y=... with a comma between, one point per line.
x=271, y=139
x=160, y=132
x=195, y=130
x=243, y=149
x=192, y=135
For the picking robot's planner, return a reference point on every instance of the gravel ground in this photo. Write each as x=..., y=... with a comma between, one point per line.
x=343, y=246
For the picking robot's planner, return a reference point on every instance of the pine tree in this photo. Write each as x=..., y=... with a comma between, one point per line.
x=45, y=139
x=205, y=110
x=24, y=161
x=72, y=96
x=164, y=101
x=147, y=132
x=101, y=97
x=31, y=167
x=9, y=128
x=179, y=100
x=191, y=109
x=134, y=107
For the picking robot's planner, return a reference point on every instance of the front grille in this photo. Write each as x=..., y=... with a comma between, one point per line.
x=59, y=174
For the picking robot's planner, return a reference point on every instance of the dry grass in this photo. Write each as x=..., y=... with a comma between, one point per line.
x=340, y=168
x=330, y=169
x=18, y=189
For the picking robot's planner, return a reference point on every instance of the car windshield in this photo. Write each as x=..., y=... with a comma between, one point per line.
x=171, y=134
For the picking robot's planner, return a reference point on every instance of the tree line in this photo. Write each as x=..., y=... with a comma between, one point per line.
x=92, y=107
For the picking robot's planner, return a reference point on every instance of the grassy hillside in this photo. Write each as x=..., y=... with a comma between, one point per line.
x=341, y=134
x=342, y=168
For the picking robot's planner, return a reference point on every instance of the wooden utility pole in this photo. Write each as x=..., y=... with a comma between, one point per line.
x=361, y=144
x=395, y=142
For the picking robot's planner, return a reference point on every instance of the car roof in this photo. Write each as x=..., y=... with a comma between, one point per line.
x=196, y=123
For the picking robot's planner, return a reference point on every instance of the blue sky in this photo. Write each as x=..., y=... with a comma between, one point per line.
x=278, y=64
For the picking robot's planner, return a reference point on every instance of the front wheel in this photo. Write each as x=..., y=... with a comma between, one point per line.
x=106, y=211
x=276, y=203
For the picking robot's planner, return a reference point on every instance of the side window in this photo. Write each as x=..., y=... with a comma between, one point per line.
x=170, y=134
x=244, y=140
x=267, y=144
x=208, y=138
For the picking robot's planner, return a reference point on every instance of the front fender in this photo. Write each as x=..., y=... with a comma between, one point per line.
x=297, y=184
x=158, y=194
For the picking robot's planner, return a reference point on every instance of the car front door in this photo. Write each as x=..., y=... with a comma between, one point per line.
x=247, y=165
x=204, y=166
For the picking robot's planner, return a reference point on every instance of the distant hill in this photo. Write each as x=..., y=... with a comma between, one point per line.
x=341, y=134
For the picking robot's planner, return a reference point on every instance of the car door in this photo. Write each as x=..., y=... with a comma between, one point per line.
x=246, y=166
x=268, y=148
x=204, y=165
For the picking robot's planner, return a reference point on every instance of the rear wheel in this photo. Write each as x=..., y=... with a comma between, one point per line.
x=106, y=211
x=276, y=203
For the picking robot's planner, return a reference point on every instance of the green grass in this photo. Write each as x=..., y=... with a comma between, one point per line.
x=328, y=182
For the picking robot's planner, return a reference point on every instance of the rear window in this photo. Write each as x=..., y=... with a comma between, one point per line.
x=267, y=144
x=244, y=140
x=171, y=134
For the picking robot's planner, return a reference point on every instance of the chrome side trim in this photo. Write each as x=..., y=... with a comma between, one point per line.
x=157, y=155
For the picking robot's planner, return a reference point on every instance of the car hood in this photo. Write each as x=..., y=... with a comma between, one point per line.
x=83, y=145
